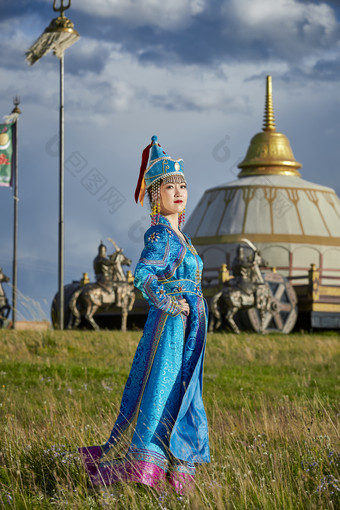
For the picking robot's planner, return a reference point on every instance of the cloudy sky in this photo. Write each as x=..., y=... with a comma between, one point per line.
x=192, y=72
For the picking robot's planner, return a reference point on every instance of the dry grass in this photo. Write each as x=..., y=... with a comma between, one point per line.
x=272, y=405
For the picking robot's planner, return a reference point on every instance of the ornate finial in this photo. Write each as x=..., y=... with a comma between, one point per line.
x=58, y=36
x=269, y=118
x=16, y=102
x=62, y=7
x=85, y=279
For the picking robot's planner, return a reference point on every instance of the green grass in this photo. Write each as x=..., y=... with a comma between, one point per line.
x=272, y=404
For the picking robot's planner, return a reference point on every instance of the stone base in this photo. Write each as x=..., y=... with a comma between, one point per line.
x=33, y=325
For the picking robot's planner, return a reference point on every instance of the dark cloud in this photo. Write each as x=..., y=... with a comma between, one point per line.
x=206, y=41
x=221, y=33
x=335, y=4
x=18, y=8
x=12, y=58
x=200, y=101
x=80, y=62
x=175, y=102
x=327, y=70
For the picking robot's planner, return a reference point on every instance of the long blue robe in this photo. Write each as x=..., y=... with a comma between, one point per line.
x=162, y=407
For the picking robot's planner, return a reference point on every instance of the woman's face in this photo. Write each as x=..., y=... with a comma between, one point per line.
x=174, y=197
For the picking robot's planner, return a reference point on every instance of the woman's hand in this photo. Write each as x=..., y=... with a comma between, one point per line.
x=184, y=306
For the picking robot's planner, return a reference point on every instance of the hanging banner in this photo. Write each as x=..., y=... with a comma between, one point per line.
x=6, y=154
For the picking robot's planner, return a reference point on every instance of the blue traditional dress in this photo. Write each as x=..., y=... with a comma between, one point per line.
x=161, y=430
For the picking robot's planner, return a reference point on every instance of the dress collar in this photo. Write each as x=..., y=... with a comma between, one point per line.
x=164, y=221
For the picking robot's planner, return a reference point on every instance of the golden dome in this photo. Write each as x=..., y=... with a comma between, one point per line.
x=269, y=152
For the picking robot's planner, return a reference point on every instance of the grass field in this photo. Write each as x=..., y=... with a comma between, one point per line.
x=272, y=404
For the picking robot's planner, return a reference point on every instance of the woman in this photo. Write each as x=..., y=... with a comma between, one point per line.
x=162, y=407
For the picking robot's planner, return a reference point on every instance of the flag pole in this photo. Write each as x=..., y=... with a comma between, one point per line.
x=58, y=36
x=61, y=196
x=16, y=110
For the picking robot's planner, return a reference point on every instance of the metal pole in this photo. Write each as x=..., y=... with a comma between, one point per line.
x=61, y=197
x=16, y=109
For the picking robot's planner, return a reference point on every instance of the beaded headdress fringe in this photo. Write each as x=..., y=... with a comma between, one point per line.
x=156, y=197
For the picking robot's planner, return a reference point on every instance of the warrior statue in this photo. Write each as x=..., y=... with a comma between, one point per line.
x=5, y=307
x=246, y=290
x=247, y=275
x=111, y=288
x=102, y=266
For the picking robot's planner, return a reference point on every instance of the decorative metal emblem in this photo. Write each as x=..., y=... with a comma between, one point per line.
x=62, y=7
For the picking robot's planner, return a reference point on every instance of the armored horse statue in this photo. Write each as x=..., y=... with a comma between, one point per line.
x=246, y=290
x=5, y=307
x=111, y=288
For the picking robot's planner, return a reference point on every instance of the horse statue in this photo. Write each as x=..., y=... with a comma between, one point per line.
x=5, y=307
x=246, y=290
x=111, y=288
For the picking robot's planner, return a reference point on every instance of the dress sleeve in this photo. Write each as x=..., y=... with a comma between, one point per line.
x=151, y=267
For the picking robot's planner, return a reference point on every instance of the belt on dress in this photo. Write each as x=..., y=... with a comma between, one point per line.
x=173, y=287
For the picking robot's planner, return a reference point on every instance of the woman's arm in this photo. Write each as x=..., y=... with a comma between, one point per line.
x=151, y=266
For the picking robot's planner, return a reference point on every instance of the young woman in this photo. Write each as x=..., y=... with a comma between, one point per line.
x=161, y=430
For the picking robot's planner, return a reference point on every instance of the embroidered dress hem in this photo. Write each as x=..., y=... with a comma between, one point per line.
x=133, y=470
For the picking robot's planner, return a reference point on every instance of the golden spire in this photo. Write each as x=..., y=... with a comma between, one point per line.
x=269, y=118
x=269, y=152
